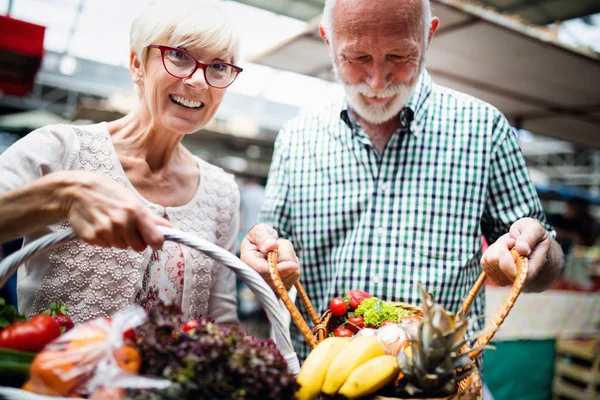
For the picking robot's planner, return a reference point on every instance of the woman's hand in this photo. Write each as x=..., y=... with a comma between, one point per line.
x=259, y=241
x=104, y=213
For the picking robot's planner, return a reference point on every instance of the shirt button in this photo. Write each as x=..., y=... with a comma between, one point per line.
x=376, y=278
x=379, y=231
x=385, y=186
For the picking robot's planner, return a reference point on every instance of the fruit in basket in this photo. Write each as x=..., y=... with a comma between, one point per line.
x=128, y=358
x=48, y=374
x=342, y=332
x=190, y=325
x=432, y=364
x=355, y=297
x=338, y=307
x=315, y=367
x=355, y=323
x=32, y=335
x=362, y=349
x=61, y=314
x=371, y=376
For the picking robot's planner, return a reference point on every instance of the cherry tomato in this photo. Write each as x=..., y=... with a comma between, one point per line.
x=190, y=325
x=130, y=334
x=355, y=323
x=338, y=306
x=32, y=335
x=355, y=297
x=340, y=331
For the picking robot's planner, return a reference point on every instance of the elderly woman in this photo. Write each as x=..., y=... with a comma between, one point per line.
x=114, y=181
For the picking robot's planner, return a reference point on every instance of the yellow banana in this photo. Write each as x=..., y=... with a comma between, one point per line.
x=371, y=376
x=362, y=349
x=312, y=373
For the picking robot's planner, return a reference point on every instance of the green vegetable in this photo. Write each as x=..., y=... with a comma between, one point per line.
x=9, y=314
x=376, y=311
x=213, y=362
x=14, y=367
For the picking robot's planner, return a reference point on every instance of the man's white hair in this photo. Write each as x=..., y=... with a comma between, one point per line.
x=327, y=19
x=185, y=23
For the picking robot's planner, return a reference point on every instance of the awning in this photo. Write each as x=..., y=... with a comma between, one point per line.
x=540, y=12
x=21, y=51
x=540, y=85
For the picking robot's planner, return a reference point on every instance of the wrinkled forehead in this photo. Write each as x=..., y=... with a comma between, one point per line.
x=385, y=19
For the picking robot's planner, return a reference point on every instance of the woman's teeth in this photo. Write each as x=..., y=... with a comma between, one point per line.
x=185, y=102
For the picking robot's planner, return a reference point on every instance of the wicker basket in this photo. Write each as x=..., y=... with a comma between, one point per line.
x=469, y=388
x=255, y=282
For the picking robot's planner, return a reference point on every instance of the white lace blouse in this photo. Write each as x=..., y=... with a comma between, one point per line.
x=96, y=282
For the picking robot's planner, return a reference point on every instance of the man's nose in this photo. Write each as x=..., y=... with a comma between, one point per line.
x=379, y=77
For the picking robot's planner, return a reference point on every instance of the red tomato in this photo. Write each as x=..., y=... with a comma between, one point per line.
x=32, y=335
x=190, y=325
x=355, y=297
x=340, y=331
x=355, y=323
x=338, y=306
x=130, y=334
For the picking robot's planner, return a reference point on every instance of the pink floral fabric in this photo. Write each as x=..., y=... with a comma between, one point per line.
x=163, y=277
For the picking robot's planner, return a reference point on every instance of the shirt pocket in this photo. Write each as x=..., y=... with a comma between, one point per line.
x=442, y=226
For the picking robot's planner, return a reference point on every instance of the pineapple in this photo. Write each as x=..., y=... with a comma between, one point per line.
x=432, y=366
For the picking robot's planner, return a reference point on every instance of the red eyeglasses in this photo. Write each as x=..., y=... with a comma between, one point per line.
x=181, y=64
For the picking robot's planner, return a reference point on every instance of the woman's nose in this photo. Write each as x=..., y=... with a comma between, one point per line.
x=197, y=80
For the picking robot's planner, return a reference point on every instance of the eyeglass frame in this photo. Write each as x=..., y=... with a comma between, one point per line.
x=198, y=65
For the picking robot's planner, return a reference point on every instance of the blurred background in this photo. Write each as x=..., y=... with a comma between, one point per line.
x=65, y=61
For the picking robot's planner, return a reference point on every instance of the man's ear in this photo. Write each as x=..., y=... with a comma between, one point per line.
x=135, y=67
x=435, y=21
x=323, y=34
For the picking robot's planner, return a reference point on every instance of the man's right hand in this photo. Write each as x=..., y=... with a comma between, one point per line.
x=259, y=241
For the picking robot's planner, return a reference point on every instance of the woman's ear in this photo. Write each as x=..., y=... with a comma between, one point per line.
x=135, y=68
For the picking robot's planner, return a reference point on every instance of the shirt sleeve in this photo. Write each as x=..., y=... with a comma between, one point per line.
x=275, y=210
x=222, y=304
x=45, y=150
x=511, y=193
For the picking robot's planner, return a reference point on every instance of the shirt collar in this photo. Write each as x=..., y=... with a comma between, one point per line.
x=413, y=110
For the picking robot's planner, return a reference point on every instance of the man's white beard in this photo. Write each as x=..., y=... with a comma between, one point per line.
x=377, y=113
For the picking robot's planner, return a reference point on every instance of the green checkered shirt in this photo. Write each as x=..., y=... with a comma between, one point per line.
x=416, y=213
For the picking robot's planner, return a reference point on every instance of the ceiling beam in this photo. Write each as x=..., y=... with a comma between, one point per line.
x=577, y=113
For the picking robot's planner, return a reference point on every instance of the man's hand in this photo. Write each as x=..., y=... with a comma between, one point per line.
x=258, y=243
x=531, y=240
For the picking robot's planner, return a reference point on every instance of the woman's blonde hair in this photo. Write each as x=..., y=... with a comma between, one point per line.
x=185, y=23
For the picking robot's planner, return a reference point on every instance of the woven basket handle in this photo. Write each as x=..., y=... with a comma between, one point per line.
x=289, y=304
x=254, y=281
x=502, y=313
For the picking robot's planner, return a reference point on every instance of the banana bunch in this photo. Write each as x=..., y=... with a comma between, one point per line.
x=349, y=367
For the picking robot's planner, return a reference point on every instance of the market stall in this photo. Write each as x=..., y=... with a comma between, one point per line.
x=526, y=343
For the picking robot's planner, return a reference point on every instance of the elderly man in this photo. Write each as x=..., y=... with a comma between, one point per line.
x=397, y=182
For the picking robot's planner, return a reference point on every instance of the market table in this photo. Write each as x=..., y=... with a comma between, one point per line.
x=522, y=367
